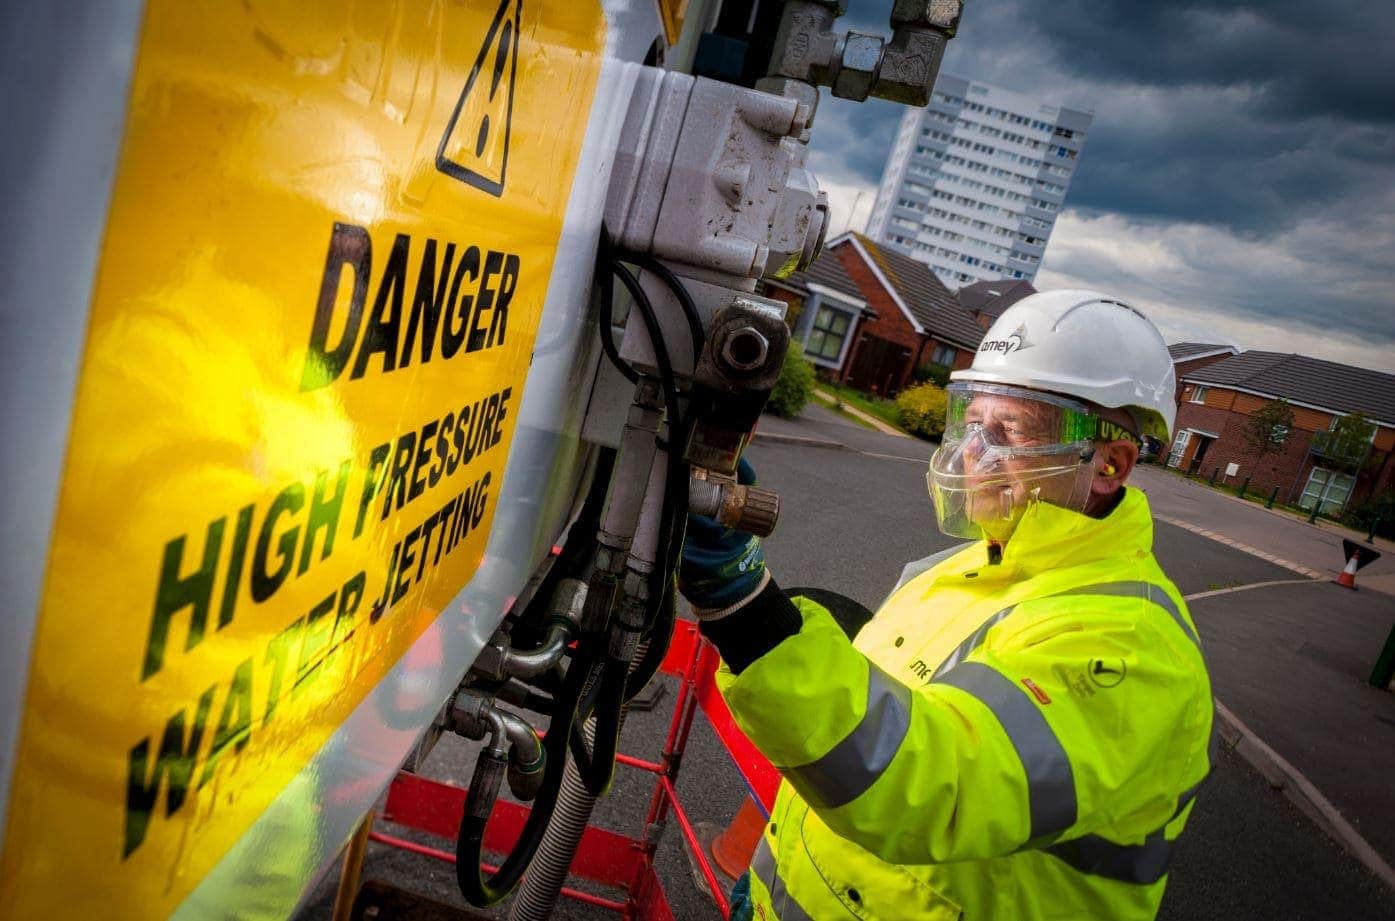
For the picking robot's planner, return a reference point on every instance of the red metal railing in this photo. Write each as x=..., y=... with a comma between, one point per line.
x=604, y=857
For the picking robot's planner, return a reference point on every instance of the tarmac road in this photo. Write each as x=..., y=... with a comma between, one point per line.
x=851, y=519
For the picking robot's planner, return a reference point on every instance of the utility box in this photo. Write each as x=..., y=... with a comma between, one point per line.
x=1232, y=469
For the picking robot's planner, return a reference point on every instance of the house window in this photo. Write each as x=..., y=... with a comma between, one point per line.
x=1329, y=489
x=943, y=355
x=1199, y=394
x=829, y=331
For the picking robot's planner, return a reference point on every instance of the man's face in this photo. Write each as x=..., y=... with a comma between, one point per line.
x=999, y=481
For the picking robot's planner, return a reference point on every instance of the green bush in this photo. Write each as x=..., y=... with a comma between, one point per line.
x=795, y=386
x=1378, y=508
x=935, y=374
x=922, y=410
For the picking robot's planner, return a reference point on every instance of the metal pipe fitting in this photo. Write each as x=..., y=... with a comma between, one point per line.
x=510, y=736
x=748, y=509
x=568, y=602
x=745, y=349
x=857, y=65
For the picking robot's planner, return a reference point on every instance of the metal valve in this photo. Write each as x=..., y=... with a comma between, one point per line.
x=748, y=509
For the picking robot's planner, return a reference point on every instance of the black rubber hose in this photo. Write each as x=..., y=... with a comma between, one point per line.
x=606, y=281
x=685, y=300
x=479, y=803
x=660, y=637
x=469, y=846
x=597, y=769
x=675, y=512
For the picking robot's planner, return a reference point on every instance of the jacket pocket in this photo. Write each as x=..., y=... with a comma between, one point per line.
x=863, y=884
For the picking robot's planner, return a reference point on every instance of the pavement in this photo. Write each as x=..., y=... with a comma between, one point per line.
x=1305, y=777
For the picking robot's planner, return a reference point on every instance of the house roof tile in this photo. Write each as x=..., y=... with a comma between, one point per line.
x=828, y=271
x=1181, y=351
x=991, y=298
x=925, y=296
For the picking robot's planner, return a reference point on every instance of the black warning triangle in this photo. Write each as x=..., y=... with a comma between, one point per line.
x=475, y=146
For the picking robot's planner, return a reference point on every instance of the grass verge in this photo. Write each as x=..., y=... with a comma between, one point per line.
x=883, y=409
x=841, y=410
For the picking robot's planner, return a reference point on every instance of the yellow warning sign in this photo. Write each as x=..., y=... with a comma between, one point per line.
x=324, y=265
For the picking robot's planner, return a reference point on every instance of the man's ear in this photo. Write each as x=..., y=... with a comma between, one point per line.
x=1114, y=461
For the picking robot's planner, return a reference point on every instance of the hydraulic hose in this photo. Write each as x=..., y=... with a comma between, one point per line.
x=484, y=891
x=598, y=769
x=537, y=898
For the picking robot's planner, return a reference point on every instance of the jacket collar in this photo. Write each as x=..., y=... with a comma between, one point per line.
x=1050, y=537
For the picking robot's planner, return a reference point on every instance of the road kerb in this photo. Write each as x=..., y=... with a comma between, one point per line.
x=1286, y=778
x=800, y=440
x=1243, y=548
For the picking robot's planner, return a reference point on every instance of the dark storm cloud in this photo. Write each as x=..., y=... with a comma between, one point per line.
x=1245, y=116
x=1306, y=58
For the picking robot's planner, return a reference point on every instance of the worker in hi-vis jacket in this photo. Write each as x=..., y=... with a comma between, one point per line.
x=1021, y=729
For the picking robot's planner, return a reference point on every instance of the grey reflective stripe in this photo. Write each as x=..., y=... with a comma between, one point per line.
x=917, y=567
x=763, y=864
x=1143, y=590
x=764, y=869
x=974, y=641
x=1143, y=864
x=1050, y=781
x=855, y=763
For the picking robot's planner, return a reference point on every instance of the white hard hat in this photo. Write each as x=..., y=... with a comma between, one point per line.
x=1086, y=345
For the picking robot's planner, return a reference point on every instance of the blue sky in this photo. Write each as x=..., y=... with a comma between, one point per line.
x=1238, y=182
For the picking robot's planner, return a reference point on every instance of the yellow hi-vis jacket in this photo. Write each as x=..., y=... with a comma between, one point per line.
x=1014, y=741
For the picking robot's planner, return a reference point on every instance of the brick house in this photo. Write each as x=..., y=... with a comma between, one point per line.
x=868, y=317
x=1218, y=399
x=1192, y=356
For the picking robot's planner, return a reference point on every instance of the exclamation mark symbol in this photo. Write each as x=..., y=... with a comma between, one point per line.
x=501, y=60
x=479, y=154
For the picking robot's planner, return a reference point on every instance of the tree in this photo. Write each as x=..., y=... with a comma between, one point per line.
x=1347, y=445
x=1267, y=430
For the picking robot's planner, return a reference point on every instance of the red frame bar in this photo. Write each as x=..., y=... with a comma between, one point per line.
x=402, y=844
x=606, y=857
x=761, y=776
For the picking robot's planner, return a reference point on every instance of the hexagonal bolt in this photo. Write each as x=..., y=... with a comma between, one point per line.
x=858, y=63
x=745, y=349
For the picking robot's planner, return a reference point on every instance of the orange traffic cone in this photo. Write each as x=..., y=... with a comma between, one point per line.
x=1347, y=577
x=732, y=849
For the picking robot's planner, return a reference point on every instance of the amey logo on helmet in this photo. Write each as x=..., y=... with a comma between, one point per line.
x=1015, y=342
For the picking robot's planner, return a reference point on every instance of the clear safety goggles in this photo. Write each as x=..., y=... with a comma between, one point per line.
x=1004, y=449
x=1025, y=422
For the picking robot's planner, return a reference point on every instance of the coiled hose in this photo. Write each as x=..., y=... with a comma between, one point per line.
x=537, y=896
